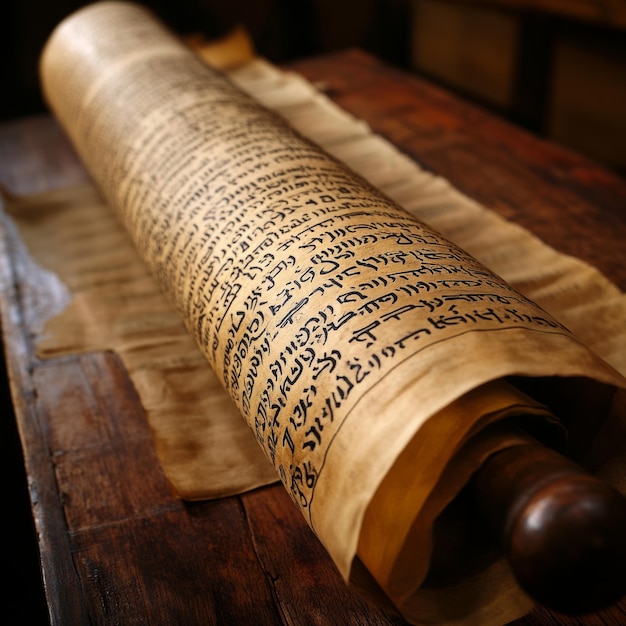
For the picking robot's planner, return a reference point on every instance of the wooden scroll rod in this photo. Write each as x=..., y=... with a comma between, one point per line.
x=562, y=530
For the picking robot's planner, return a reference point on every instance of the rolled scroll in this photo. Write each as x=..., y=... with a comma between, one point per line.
x=377, y=364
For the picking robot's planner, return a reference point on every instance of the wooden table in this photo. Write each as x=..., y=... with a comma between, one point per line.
x=116, y=547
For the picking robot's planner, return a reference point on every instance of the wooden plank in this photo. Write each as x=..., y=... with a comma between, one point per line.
x=66, y=602
x=310, y=589
x=105, y=462
x=194, y=566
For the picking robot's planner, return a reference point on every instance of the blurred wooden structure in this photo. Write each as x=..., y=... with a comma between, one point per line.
x=557, y=67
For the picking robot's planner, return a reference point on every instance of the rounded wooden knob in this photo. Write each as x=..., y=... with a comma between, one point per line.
x=563, y=531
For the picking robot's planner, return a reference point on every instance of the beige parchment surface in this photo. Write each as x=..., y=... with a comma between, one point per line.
x=110, y=295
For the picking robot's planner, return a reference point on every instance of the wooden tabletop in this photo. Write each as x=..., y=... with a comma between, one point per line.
x=116, y=546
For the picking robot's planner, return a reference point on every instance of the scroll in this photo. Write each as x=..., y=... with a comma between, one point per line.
x=377, y=365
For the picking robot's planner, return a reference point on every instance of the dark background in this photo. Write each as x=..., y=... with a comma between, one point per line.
x=555, y=67
x=281, y=29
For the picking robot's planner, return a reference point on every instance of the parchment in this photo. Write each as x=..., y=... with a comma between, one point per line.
x=347, y=332
x=100, y=296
